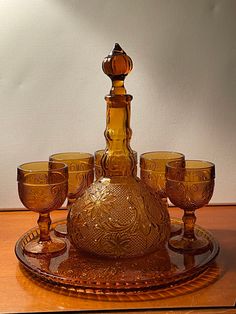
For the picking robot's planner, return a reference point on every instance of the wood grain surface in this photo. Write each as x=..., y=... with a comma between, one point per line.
x=214, y=292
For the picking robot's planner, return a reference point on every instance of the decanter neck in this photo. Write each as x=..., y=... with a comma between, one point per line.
x=118, y=159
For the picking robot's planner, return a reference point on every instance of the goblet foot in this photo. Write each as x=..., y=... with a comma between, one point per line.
x=175, y=230
x=51, y=247
x=61, y=230
x=191, y=246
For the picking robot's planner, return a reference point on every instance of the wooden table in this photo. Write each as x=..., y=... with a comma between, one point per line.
x=216, y=292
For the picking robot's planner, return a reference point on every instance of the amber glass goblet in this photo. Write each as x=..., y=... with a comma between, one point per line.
x=81, y=176
x=190, y=187
x=152, y=172
x=42, y=187
x=97, y=162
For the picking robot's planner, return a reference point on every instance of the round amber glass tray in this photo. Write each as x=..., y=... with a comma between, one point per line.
x=163, y=268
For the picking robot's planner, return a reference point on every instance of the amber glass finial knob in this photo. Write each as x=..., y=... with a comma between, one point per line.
x=117, y=65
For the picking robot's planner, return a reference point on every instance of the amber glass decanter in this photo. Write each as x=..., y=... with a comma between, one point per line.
x=118, y=215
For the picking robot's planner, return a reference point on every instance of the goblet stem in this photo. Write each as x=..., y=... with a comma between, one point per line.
x=61, y=229
x=175, y=229
x=44, y=223
x=189, y=261
x=189, y=220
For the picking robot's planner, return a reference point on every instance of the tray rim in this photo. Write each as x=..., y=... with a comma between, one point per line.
x=113, y=287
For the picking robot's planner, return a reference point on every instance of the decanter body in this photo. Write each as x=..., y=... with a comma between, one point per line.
x=118, y=215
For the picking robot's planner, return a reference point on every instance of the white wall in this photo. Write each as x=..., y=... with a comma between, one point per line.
x=183, y=81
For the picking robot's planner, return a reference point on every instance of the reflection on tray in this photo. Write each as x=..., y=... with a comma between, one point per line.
x=91, y=273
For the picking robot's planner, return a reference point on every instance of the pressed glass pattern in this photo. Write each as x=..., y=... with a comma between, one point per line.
x=42, y=187
x=80, y=170
x=97, y=162
x=190, y=187
x=153, y=167
x=118, y=231
x=81, y=176
x=118, y=216
x=152, y=172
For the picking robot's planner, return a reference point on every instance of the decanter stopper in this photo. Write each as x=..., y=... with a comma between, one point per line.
x=117, y=65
